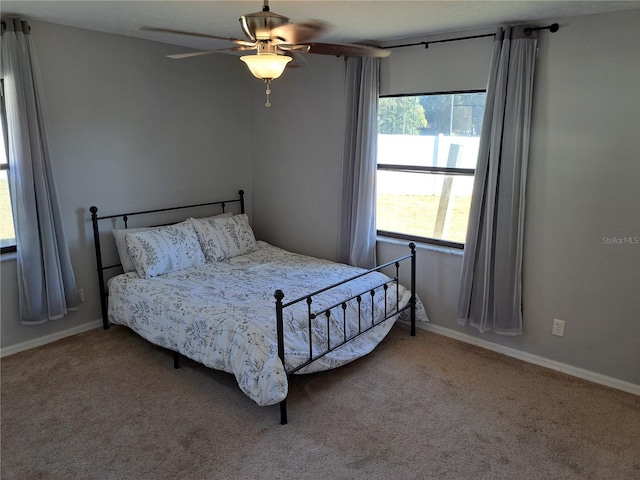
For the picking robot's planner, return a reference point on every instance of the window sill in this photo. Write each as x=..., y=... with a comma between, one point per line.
x=421, y=246
x=6, y=257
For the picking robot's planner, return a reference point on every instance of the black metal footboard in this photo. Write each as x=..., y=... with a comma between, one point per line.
x=363, y=324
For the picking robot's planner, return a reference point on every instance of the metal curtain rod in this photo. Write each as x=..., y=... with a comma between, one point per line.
x=426, y=44
x=553, y=28
x=3, y=23
x=527, y=31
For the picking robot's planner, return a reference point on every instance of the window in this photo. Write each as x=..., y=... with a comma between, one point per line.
x=7, y=232
x=427, y=152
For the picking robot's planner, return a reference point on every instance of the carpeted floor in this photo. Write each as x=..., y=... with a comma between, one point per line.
x=108, y=405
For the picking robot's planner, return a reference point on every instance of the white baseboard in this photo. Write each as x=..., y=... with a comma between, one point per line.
x=37, y=342
x=535, y=359
x=447, y=332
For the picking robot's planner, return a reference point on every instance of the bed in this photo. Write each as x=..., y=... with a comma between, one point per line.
x=205, y=288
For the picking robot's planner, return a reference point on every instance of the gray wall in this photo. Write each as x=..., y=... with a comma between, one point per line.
x=129, y=128
x=583, y=185
x=296, y=157
x=584, y=170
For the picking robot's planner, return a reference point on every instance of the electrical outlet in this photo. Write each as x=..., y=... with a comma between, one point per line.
x=558, y=327
x=81, y=294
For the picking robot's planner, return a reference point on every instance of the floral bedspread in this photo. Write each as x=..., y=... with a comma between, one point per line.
x=222, y=315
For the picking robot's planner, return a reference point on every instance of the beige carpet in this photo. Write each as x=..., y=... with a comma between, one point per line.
x=108, y=405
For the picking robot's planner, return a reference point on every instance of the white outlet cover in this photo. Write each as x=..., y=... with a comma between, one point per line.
x=558, y=327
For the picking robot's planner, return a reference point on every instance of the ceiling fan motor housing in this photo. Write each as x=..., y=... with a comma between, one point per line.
x=257, y=26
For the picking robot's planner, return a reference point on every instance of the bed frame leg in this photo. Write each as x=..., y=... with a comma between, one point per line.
x=283, y=412
x=101, y=283
x=279, y=295
x=412, y=246
x=176, y=360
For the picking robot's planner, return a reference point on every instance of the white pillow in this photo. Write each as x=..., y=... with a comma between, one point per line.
x=165, y=249
x=121, y=242
x=225, y=237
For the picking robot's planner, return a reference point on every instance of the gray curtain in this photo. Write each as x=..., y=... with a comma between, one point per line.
x=357, y=235
x=491, y=279
x=46, y=282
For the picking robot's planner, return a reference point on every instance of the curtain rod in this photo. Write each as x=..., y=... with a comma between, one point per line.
x=554, y=27
x=3, y=24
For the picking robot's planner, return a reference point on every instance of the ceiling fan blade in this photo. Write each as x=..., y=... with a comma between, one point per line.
x=347, y=50
x=295, y=33
x=302, y=48
x=179, y=56
x=194, y=34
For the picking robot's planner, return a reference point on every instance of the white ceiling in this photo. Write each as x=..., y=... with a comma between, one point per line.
x=351, y=21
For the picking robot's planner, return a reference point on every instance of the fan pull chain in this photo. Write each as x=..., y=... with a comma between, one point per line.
x=268, y=91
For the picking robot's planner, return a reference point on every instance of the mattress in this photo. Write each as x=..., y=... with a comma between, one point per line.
x=222, y=314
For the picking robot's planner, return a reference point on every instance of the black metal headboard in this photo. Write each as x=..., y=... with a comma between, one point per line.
x=104, y=294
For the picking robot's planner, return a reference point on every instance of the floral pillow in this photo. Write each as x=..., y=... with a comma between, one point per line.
x=226, y=237
x=121, y=241
x=165, y=249
x=221, y=215
x=120, y=236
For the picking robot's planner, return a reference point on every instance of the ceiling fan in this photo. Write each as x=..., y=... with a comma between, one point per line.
x=277, y=41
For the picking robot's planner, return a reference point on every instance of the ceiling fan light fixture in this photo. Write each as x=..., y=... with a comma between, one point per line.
x=270, y=34
x=267, y=66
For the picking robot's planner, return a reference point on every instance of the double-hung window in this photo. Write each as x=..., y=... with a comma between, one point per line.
x=427, y=152
x=7, y=232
